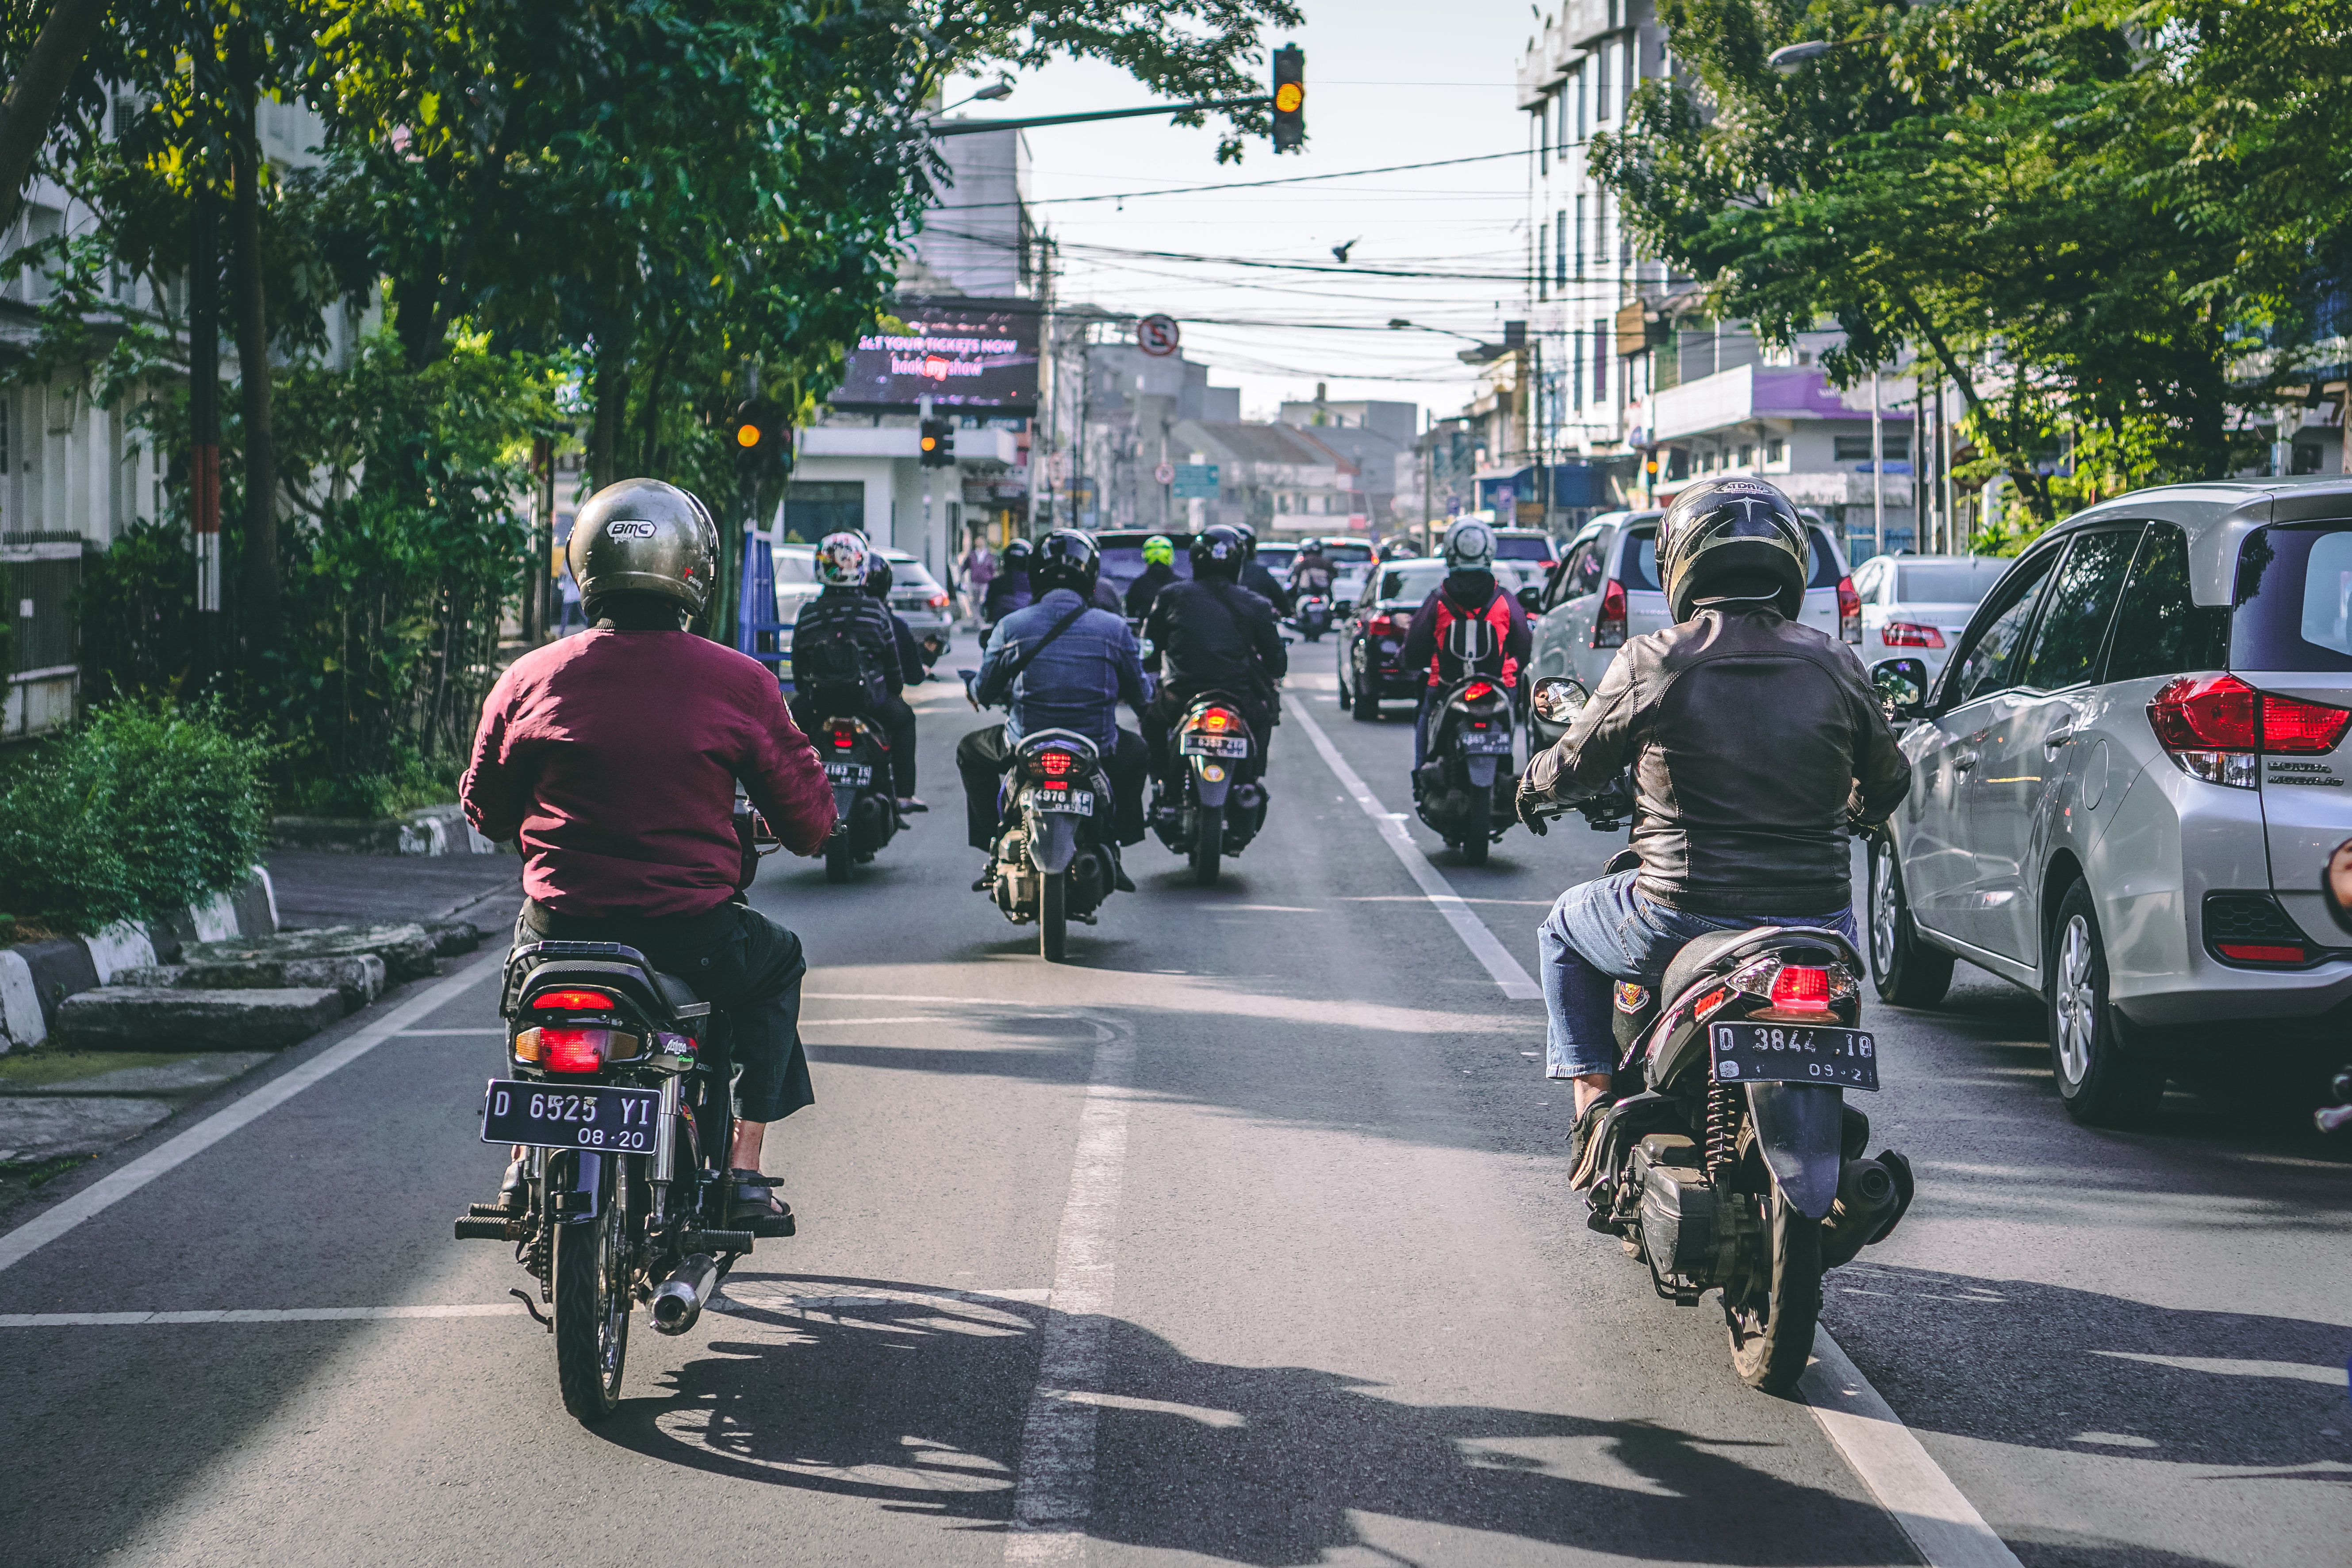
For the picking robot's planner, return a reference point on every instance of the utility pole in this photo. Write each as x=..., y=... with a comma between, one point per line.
x=930, y=477
x=1877, y=468
x=1428, y=472
x=203, y=417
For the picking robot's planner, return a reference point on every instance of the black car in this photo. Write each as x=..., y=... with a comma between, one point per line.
x=1371, y=638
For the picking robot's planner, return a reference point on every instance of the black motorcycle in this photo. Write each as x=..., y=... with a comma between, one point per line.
x=1053, y=860
x=856, y=757
x=1213, y=800
x=1311, y=614
x=1730, y=1159
x=618, y=1087
x=1468, y=767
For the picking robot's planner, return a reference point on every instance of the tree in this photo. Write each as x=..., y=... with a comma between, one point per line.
x=37, y=91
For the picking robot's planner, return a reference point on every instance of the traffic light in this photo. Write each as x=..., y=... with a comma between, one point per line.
x=760, y=437
x=937, y=444
x=1289, y=98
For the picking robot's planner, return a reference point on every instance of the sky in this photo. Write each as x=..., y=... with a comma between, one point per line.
x=1386, y=83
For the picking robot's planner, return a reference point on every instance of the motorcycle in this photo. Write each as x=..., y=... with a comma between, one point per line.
x=1730, y=1159
x=1311, y=612
x=1469, y=762
x=1052, y=862
x=1218, y=785
x=618, y=1089
x=856, y=757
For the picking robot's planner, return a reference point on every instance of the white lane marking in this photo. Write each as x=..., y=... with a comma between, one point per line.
x=2222, y=1366
x=253, y=1315
x=438, y=1034
x=905, y=997
x=1054, y=1498
x=1515, y=980
x=1908, y=1484
x=44, y=1228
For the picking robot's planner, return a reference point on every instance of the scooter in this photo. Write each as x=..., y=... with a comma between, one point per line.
x=1214, y=802
x=1470, y=745
x=856, y=757
x=1052, y=862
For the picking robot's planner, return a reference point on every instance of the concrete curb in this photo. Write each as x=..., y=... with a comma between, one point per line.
x=429, y=830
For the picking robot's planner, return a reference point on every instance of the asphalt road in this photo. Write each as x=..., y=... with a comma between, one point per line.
x=1240, y=1238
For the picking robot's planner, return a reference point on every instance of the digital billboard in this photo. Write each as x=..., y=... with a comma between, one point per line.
x=972, y=355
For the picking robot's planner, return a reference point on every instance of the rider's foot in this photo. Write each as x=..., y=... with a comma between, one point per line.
x=909, y=804
x=1583, y=1140
x=753, y=1205
x=513, y=1191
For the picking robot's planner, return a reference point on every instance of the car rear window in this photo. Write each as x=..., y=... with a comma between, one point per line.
x=1523, y=549
x=1414, y=583
x=1336, y=553
x=1123, y=563
x=1947, y=582
x=2294, y=599
x=911, y=574
x=791, y=566
x=1640, y=567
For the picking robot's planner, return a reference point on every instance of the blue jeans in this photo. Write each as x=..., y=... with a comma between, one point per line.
x=1602, y=930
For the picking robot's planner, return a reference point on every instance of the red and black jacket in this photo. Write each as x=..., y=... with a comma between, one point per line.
x=1470, y=626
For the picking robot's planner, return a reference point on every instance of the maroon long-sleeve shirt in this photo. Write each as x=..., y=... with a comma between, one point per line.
x=611, y=758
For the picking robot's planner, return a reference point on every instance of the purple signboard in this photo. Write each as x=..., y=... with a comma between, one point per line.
x=971, y=355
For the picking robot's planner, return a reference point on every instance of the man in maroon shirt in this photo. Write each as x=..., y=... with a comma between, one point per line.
x=612, y=757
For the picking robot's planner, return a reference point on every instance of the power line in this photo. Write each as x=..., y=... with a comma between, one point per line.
x=1231, y=186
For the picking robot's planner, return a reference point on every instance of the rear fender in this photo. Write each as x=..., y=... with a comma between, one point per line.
x=1481, y=770
x=1052, y=840
x=576, y=1171
x=845, y=800
x=1211, y=793
x=1800, y=1131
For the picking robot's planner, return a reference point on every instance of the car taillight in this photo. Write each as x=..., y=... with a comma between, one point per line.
x=1475, y=690
x=1849, y=611
x=1609, y=625
x=573, y=1001
x=937, y=601
x=574, y=1050
x=1056, y=764
x=2215, y=726
x=1910, y=633
x=1379, y=626
x=1797, y=990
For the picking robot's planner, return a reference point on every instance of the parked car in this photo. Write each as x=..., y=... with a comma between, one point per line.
x=1527, y=547
x=1605, y=590
x=1920, y=604
x=1373, y=638
x=2125, y=784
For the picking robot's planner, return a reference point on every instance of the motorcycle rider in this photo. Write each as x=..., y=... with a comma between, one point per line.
x=1082, y=662
x=914, y=664
x=1755, y=743
x=1009, y=590
x=1212, y=634
x=1254, y=576
x=1470, y=625
x=1158, y=571
x=612, y=757
x=845, y=654
x=1311, y=572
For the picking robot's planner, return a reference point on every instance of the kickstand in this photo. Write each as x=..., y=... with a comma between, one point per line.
x=532, y=1308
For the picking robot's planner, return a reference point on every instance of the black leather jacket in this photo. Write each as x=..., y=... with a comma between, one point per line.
x=1215, y=634
x=1751, y=740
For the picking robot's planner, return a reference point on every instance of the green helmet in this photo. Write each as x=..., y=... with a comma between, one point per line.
x=1158, y=550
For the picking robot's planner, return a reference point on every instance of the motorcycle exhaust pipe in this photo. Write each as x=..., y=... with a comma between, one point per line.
x=680, y=1299
x=1867, y=1203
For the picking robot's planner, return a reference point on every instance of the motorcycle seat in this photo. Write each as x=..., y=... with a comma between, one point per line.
x=675, y=992
x=1692, y=963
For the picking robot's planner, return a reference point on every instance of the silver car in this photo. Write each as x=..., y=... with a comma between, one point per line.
x=2127, y=782
x=1605, y=590
x=1919, y=605
x=915, y=597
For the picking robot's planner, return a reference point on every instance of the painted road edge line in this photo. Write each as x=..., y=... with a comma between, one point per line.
x=100, y=1195
x=1877, y=1447
x=1483, y=946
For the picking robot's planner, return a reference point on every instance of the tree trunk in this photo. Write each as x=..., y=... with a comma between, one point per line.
x=612, y=409
x=33, y=98
x=261, y=569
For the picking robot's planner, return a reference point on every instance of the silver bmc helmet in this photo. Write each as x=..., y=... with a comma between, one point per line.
x=643, y=536
x=1733, y=534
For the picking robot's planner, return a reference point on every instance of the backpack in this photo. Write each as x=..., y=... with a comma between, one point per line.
x=833, y=661
x=1471, y=642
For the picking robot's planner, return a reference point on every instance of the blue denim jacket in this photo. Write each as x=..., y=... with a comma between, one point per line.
x=1075, y=683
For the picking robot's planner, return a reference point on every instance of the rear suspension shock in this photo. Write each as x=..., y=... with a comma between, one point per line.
x=1723, y=1111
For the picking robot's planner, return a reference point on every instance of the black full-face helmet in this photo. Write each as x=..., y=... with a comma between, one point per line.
x=1219, y=551
x=1065, y=559
x=1737, y=530
x=878, y=577
x=1016, y=555
x=643, y=536
x=1249, y=539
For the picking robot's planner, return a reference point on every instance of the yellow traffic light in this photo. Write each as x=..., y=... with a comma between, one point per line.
x=747, y=435
x=1288, y=97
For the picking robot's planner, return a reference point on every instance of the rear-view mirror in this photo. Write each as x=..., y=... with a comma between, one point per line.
x=1532, y=600
x=1902, y=687
x=1558, y=699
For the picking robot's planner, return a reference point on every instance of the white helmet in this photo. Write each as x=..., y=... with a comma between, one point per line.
x=1469, y=546
x=841, y=561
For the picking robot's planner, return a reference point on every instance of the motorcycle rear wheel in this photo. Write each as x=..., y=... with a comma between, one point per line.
x=1053, y=917
x=1208, y=843
x=840, y=858
x=592, y=1310
x=1772, y=1332
x=1475, y=835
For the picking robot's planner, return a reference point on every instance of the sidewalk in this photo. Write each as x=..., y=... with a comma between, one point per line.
x=60, y=1109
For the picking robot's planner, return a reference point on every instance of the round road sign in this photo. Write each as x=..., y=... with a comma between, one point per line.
x=1158, y=335
x=1165, y=473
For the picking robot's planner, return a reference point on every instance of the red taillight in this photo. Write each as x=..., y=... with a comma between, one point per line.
x=2206, y=720
x=1056, y=764
x=1849, y=611
x=2301, y=729
x=1910, y=633
x=1609, y=625
x=1476, y=689
x=2260, y=951
x=937, y=601
x=572, y=1050
x=573, y=1001
x=1801, y=991
x=1216, y=721
x=1379, y=626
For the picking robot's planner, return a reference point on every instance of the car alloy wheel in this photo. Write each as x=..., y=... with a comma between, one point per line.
x=2076, y=1002
x=1884, y=912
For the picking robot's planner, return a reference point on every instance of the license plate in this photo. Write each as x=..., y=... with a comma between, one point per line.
x=858, y=774
x=1480, y=741
x=1199, y=745
x=557, y=1116
x=1794, y=1053
x=1077, y=802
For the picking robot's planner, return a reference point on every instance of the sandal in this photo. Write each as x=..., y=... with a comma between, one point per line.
x=753, y=1205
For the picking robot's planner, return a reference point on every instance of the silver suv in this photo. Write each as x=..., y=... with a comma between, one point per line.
x=2126, y=780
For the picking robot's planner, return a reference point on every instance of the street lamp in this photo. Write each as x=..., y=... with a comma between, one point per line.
x=1788, y=56
x=1001, y=88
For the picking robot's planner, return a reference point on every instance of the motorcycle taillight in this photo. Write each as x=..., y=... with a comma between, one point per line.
x=1801, y=990
x=843, y=737
x=1216, y=721
x=1056, y=764
x=574, y=1050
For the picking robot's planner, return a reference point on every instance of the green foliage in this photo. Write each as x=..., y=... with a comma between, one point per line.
x=140, y=812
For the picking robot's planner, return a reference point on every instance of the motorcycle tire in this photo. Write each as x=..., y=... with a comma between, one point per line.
x=1475, y=834
x=592, y=1310
x=840, y=858
x=1208, y=843
x=1053, y=917
x=1772, y=1332
x=1905, y=970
